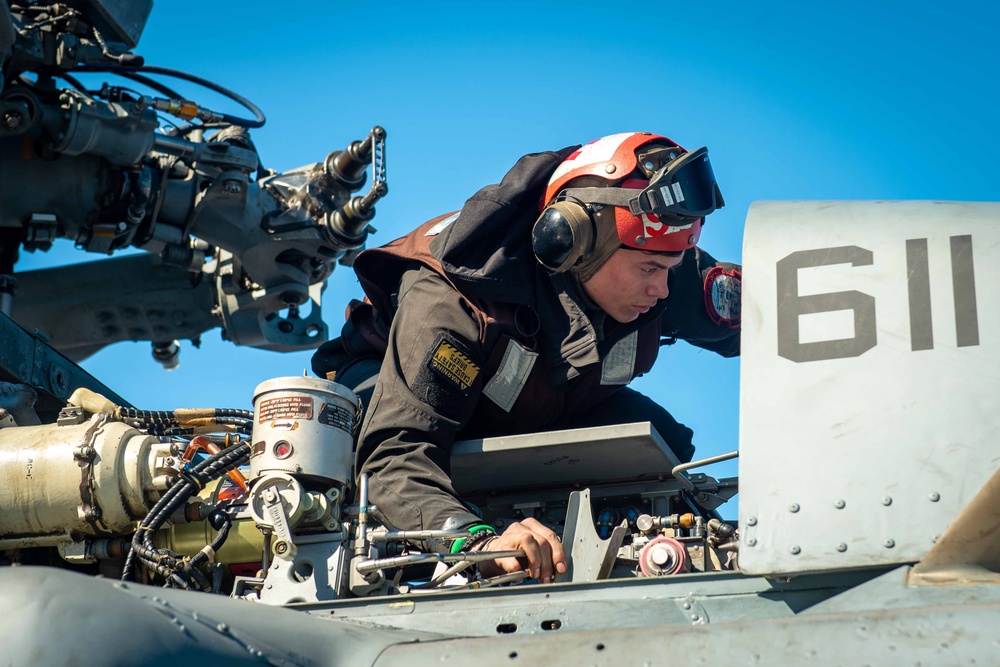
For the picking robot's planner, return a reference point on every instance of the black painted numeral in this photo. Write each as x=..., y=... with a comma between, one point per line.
x=791, y=305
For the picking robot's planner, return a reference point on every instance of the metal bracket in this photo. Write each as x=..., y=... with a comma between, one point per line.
x=590, y=557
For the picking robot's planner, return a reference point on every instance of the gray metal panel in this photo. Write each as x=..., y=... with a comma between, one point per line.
x=585, y=455
x=29, y=359
x=120, y=20
x=861, y=452
x=51, y=617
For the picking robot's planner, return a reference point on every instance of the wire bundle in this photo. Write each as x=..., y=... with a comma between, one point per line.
x=186, y=422
x=181, y=571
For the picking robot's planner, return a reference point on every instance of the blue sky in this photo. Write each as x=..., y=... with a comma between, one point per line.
x=795, y=100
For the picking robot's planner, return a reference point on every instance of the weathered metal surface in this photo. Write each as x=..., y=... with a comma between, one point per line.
x=861, y=433
x=621, y=603
x=53, y=618
x=969, y=550
x=940, y=636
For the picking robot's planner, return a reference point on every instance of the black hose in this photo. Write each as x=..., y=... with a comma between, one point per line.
x=164, y=562
x=258, y=120
x=146, y=81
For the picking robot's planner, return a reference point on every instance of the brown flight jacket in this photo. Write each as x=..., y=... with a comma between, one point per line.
x=452, y=301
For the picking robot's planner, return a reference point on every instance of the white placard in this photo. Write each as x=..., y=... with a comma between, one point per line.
x=870, y=378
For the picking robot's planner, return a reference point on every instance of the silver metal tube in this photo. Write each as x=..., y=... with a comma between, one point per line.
x=361, y=538
x=444, y=576
x=366, y=566
x=7, y=303
x=174, y=146
x=510, y=577
x=417, y=535
x=687, y=483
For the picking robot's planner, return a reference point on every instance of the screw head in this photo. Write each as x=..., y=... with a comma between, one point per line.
x=752, y=521
x=280, y=548
x=752, y=542
x=795, y=550
x=12, y=120
x=841, y=547
x=886, y=501
x=610, y=168
x=935, y=496
x=840, y=504
x=890, y=543
x=793, y=508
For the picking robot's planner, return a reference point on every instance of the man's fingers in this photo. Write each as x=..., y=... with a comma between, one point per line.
x=558, y=555
x=551, y=547
x=542, y=550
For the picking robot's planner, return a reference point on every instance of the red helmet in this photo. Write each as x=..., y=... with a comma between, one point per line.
x=661, y=193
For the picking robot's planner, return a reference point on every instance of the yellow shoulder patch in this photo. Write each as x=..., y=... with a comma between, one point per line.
x=452, y=365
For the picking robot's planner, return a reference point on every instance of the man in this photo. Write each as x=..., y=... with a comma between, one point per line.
x=498, y=320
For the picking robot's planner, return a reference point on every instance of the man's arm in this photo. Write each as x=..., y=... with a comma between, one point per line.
x=703, y=307
x=419, y=403
x=427, y=390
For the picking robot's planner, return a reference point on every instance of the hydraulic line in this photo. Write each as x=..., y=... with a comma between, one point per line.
x=187, y=422
x=258, y=120
x=168, y=564
x=203, y=443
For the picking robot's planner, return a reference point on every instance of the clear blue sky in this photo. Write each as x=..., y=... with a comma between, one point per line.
x=796, y=100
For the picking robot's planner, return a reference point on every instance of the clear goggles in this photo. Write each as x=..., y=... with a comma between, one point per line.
x=683, y=189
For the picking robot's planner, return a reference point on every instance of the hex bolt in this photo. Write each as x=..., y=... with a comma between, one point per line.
x=793, y=508
x=752, y=521
x=890, y=543
x=841, y=547
x=840, y=504
x=795, y=550
x=12, y=120
x=752, y=542
x=886, y=501
x=935, y=496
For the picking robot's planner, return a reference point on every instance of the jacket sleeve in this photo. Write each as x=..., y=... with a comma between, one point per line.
x=703, y=307
x=426, y=391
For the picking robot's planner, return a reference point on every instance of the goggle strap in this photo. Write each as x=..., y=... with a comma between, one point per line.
x=624, y=197
x=636, y=201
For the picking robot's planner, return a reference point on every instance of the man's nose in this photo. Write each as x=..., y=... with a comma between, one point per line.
x=658, y=287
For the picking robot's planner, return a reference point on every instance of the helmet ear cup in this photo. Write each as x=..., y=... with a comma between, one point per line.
x=563, y=235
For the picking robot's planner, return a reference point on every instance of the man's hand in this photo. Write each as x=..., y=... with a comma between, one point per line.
x=542, y=548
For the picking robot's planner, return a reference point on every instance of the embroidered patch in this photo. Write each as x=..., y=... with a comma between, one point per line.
x=619, y=365
x=504, y=387
x=722, y=296
x=451, y=364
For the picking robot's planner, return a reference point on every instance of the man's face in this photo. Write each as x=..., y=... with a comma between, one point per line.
x=630, y=282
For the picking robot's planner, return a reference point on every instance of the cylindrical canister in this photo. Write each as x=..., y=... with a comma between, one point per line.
x=304, y=426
